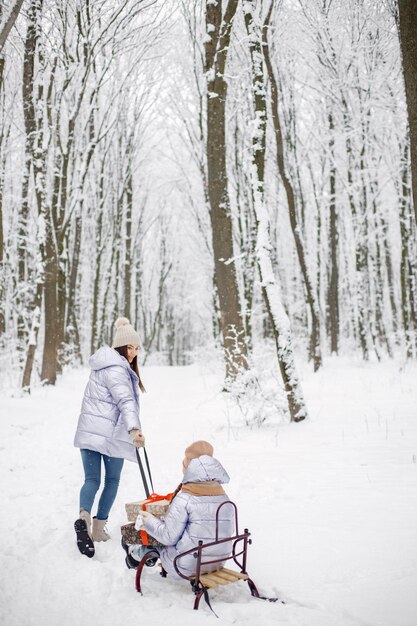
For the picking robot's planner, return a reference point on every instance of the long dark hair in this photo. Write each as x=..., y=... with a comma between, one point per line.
x=122, y=350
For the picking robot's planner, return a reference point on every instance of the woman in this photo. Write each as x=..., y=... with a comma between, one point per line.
x=108, y=429
x=191, y=515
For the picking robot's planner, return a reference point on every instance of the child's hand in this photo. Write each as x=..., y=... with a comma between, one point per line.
x=141, y=519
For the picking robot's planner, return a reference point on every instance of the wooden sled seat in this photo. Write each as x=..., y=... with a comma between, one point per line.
x=222, y=576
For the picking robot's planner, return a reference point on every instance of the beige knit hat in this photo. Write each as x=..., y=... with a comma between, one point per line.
x=196, y=449
x=125, y=333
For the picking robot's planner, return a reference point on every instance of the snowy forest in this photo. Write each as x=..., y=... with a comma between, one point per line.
x=226, y=175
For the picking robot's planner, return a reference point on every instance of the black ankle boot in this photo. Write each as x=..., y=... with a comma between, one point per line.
x=84, y=542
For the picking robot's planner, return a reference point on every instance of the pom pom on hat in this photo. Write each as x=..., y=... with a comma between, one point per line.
x=125, y=333
x=121, y=321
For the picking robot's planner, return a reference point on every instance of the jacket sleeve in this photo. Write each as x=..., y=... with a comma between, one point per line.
x=119, y=384
x=170, y=530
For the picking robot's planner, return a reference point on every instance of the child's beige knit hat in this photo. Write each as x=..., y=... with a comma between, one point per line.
x=196, y=449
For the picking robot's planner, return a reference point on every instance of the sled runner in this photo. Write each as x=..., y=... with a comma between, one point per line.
x=200, y=582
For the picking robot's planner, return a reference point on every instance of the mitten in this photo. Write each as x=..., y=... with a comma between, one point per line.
x=137, y=438
x=141, y=519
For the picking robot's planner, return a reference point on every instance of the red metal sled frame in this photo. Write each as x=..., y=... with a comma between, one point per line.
x=198, y=587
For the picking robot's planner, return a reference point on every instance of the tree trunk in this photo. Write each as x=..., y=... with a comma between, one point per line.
x=8, y=25
x=378, y=283
x=30, y=131
x=405, y=278
x=33, y=336
x=333, y=288
x=408, y=42
x=270, y=288
x=315, y=351
x=390, y=276
x=231, y=323
x=2, y=312
x=96, y=294
x=71, y=325
x=360, y=221
x=33, y=152
x=128, y=247
x=48, y=242
x=246, y=223
x=58, y=207
x=50, y=346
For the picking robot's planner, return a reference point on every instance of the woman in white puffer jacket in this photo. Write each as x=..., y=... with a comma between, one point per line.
x=108, y=429
x=191, y=515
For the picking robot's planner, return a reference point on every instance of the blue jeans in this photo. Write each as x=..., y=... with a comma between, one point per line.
x=92, y=470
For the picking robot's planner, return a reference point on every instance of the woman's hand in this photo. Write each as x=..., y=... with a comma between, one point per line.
x=137, y=438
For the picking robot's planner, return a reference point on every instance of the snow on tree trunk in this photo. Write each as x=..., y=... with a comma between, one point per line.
x=2, y=255
x=33, y=335
x=34, y=153
x=269, y=282
x=315, y=350
x=218, y=28
x=7, y=23
x=333, y=289
x=408, y=41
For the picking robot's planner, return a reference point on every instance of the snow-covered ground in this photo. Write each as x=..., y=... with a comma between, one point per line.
x=331, y=504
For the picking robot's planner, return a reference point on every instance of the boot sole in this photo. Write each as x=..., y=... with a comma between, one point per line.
x=84, y=542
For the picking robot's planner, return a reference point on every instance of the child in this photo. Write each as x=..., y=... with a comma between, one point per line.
x=191, y=516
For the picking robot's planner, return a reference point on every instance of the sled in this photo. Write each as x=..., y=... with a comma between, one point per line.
x=223, y=576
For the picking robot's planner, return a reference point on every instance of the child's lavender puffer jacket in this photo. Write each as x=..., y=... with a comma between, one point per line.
x=193, y=518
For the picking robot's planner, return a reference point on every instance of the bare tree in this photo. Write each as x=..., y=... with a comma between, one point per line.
x=4, y=133
x=332, y=310
x=219, y=27
x=34, y=161
x=408, y=40
x=9, y=22
x=270, y=287
x=296, y=227
x=61, y=94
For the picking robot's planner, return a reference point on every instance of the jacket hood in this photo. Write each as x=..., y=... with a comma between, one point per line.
x=105, y=357
x=205, y=468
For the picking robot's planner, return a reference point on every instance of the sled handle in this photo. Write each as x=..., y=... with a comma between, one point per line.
x=142, y=471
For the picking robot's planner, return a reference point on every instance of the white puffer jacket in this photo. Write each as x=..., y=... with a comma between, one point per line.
x=193, y=518
x=110, y=407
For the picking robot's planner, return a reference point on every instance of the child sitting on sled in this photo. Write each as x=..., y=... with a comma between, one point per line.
x=191, y=515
